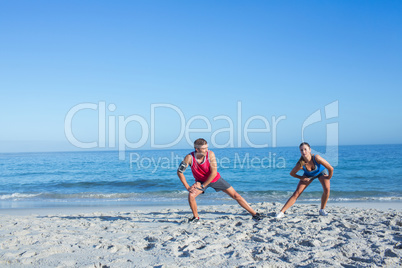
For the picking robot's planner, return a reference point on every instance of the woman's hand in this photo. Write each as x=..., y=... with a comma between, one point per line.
x=305, y=179
x=327, y=177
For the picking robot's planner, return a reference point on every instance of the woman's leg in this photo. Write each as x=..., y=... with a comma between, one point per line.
x=299, y=190
x=242, y=202
x=326, y=186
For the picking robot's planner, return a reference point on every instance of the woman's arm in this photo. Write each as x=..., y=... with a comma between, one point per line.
x=323, y=162
x=295, y=170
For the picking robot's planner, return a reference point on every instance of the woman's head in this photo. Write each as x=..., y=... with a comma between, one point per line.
x=305, y=148
x=305, y=151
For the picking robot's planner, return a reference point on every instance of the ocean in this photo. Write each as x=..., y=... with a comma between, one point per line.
x=362, y=173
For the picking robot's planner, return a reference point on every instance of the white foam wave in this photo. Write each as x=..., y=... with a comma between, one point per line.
x=18, y=196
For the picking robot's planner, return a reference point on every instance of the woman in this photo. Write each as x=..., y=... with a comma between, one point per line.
x=314, y=167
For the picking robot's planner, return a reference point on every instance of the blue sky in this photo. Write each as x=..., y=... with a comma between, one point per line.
x=202, y=60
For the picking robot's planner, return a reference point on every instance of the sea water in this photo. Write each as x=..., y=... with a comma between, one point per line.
x=148, y=177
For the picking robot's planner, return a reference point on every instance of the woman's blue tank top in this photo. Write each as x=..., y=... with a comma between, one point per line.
x=318, y=169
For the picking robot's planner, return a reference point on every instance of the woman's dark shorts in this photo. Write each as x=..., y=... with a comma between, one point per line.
x=324, y=172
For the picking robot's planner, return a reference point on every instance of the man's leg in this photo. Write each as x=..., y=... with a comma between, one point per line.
x=194, y=192
x=233, y=194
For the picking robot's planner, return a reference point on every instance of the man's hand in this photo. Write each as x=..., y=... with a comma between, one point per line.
x=195, y=188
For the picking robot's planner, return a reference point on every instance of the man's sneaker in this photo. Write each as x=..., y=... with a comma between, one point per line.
x=194, y=220
x=280, y=215
x=323, y=212
x=257, y=217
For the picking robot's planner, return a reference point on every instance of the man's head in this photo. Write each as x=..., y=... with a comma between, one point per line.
x=201, y=146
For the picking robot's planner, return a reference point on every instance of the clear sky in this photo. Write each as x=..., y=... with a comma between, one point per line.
x=148, y=73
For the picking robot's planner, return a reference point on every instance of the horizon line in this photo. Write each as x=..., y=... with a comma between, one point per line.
x=78, y=150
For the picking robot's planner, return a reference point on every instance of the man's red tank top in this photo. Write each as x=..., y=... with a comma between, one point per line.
x=202, y=171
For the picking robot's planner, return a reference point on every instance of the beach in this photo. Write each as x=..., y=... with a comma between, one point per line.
x=351, y=235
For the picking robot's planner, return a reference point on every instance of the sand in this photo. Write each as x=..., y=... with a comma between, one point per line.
x=226, y=237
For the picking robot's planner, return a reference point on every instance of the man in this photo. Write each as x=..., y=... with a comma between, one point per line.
x=205, y=171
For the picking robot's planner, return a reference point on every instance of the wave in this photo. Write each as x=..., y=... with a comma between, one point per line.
x=18, y=196
x=89, y=184
x=89, y=196
x=149, y=196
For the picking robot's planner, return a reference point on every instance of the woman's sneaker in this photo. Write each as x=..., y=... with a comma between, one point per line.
x=194, y=220
x=280, y=215
x=323, y=213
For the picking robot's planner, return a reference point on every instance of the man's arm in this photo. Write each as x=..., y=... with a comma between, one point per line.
x=213, y=167
x=182, y=167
